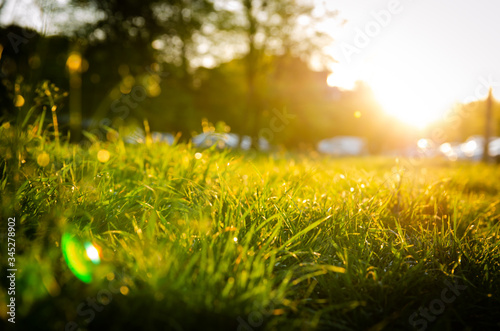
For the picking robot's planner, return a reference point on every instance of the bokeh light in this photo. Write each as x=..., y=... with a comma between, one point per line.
x=43, y=159
x=74, y=62
x=124, y=290
x=103, y=156
x=19, y=101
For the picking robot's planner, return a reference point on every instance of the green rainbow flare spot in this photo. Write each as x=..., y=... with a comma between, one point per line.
x=77, y=258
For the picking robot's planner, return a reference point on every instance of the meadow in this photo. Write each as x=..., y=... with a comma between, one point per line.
x=189, y=239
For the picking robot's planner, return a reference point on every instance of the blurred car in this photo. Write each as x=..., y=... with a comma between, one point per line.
x=135, y=136
x=471, y=149
x=425, y=148
x=227, y=140
x=452, y=151
x=342, y=145
x=246, y=143
x=494, y=148
x=161, y=137
x=221, y=140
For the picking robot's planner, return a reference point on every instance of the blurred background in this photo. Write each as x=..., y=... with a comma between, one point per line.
x=374, y=77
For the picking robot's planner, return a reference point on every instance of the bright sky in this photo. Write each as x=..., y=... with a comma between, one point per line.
x=419, y=57
x=28, y=13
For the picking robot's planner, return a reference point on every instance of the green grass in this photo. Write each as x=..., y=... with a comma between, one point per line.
x=247, y=242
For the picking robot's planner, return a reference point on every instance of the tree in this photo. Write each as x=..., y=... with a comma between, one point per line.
x=277, y=27
x=131, y=37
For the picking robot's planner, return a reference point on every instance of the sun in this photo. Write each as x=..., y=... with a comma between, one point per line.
x=406, y=102
x=403, y=88
x=342, y=78
x=405, y=92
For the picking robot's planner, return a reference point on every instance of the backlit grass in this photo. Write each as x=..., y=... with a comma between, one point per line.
x=225, y=240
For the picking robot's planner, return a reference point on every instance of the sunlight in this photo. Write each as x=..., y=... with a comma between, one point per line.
x=342, y=79
x=409, y=88
x=408, y=100
x=406, y=104
x=92, y=253
x=402, y=87
x=345, y=76
x=407, y=97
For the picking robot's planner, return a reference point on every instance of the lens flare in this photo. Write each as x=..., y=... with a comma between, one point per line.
x=79, y=257
x=92, y=253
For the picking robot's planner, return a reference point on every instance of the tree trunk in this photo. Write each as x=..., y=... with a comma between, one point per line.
x=488, y=125
x=251, y=70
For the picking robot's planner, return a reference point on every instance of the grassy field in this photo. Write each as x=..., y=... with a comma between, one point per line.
x=194, y=239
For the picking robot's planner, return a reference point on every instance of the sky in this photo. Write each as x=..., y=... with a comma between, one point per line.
x=28, y=13
x=419, y=57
